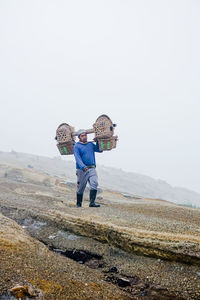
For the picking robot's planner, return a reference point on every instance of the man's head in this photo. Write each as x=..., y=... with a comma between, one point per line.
x=82, y=135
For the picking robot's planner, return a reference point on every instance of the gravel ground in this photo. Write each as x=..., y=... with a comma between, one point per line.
x=148, y=227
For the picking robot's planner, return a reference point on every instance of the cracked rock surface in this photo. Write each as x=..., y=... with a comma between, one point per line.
x=25, y=260
x=149, y=248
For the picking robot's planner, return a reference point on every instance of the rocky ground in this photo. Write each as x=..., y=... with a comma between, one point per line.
x=128, y=248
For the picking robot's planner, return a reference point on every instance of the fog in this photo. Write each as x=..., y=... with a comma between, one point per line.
x=136, y=61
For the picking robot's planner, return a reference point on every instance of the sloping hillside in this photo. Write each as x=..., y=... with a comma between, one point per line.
x=112, y=178
x=143, y=247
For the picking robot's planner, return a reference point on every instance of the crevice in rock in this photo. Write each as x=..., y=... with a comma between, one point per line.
x=97, y=232
x=92, y=260
x=133, y=285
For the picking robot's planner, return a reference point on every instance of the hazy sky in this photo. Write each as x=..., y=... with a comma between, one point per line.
x=137, y=61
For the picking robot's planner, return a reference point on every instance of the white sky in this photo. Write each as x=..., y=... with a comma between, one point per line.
x=137, y=61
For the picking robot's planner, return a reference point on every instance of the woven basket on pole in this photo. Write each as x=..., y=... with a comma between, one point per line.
x=103, y=129
x=107, y=144
x=65, y=139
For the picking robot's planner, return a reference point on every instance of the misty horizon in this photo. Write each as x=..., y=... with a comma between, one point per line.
x=137, y=62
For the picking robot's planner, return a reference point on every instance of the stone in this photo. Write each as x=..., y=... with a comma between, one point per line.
x=23, y=291
x=113, y=270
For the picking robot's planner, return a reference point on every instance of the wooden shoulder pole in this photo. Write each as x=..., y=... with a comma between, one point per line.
x=88, y=131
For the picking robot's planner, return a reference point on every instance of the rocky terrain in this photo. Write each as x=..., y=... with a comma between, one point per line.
x=129, y=248
x=110, y=178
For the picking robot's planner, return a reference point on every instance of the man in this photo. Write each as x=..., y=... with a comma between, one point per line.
x=84, y=153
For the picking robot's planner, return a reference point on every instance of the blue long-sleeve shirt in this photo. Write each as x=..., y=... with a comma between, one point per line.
x=85, y=154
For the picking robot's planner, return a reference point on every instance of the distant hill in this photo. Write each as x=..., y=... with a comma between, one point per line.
x=110, y=178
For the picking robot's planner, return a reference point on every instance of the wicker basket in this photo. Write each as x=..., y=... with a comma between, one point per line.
x=107, y=144
x=64, y=133
x=103, y=127
x=66, y=148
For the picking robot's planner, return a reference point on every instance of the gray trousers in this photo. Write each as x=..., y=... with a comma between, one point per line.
x=89, y=176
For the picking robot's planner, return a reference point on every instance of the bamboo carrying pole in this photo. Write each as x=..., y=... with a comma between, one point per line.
x=103, y=130
x=88, y=131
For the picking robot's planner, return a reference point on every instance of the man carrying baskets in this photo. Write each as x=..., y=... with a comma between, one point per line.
x=84, y=153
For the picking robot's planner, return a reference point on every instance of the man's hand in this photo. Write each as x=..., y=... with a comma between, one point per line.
x=86, y=169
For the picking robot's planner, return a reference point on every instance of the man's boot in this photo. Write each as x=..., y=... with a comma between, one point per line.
x=93, y=194
x=79, y=198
